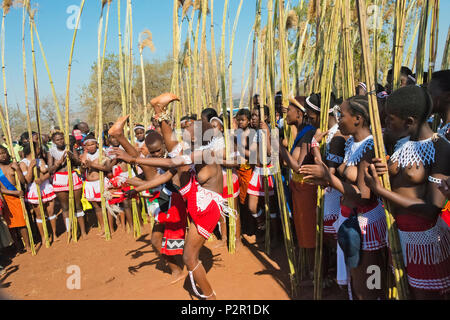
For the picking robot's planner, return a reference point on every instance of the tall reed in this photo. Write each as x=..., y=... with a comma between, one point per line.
x=400, y=277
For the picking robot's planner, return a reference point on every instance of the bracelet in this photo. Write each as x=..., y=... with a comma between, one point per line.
x=133, y=161
x=163, y=116
x=434, y=180
x=314, y=143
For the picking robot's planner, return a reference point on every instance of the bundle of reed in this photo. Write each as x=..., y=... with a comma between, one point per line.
x=129, y=85
x=245, y=86
x=121, y=64
x=175, y=87
x=300, y=54
x=6, y=5
x=204, y=57
x=215, y=94
x=266, y=58
x=434, y=34
x=446, y=54
x=196, y=64
x=319, y=10
x=269, y=49
x=330, y=56
x=36, y=171
x=397, y=52
x=228, y=139
x=72, y=218
x=256, y=32
x=421, y=42
x=100, y=61
x=191, y=92
x=262, y=79
x=284, y=59
x=416, y=24
x=125, y=93
x=145, y=42
x=400, y=278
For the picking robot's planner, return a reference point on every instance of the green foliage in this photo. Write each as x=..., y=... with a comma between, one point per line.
x=158, y=79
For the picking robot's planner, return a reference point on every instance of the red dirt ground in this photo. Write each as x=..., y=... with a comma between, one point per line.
x=128, y=269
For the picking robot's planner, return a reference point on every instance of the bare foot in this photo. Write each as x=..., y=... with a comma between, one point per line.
x=55, y=238
x=160, y=102
x=178, y=276
x=117, y=128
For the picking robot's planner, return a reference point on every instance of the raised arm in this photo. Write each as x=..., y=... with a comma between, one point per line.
x=157, y=181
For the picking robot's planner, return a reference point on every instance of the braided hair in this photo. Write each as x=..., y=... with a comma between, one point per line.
x=359, y=105
x=410, y=101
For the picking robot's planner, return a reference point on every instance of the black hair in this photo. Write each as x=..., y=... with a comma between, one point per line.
x=359, y=105
x=152, y=137
x=380, y=88
x=72, y=142
x=403, y=70
x=208, y=113
x=245, y=113
x=90, y=135
x=278, y=98
x=442, y=80
x=54, y=134
x=266, y=110
x=228, y=117
x=316, y=99
x=27, y=148
x=185, y=118
x=26, y=136
x=410, y=101
x=7, y=151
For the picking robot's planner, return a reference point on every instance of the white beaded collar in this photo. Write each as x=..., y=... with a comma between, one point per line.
x=408, y=153
x=354, y=151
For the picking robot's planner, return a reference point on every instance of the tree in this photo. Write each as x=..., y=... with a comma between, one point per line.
x=158, y=76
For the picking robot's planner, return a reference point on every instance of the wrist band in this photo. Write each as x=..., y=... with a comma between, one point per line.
x=163, y=116
x=434, y=180
x=314, y=143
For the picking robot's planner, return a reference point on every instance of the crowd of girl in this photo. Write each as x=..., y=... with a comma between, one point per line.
x=189, y=197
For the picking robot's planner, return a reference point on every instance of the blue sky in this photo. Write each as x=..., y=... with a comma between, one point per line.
x=155, y=15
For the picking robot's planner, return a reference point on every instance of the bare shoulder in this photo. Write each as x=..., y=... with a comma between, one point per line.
x=442, y=155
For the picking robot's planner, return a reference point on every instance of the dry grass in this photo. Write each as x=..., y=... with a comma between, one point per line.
x=146, y=40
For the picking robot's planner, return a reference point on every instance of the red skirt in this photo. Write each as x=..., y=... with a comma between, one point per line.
x=256, y=185
x=204, y=206
x=236, y=190
x=174, y=232
x=61, y=181
x=426, y=252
